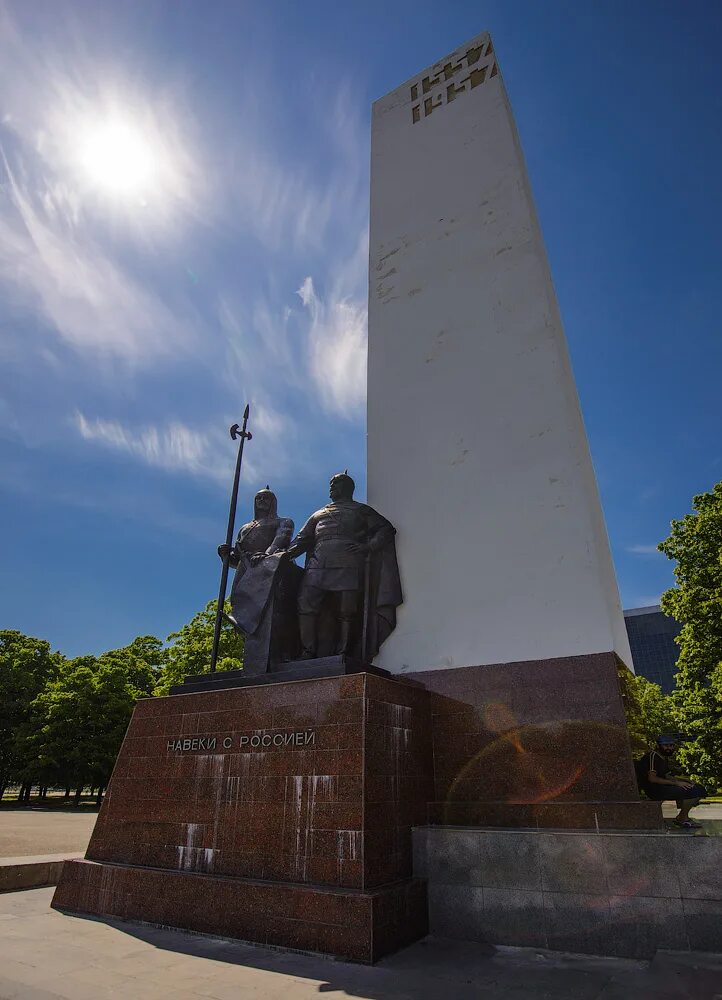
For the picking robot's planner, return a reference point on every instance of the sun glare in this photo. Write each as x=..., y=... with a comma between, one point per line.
x=118, y=158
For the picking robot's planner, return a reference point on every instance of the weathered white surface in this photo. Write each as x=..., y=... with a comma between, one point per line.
x=476, y=446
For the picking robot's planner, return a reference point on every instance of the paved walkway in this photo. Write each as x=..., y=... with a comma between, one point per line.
x=44, y=831
x=46, y=955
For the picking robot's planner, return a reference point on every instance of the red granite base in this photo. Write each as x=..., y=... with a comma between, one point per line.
x=534, y=743
x=282, y=813
x=299, y=796
x=360, y=927
x=356, y=926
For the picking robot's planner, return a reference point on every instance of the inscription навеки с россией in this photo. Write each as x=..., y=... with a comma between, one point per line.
x=263, y=741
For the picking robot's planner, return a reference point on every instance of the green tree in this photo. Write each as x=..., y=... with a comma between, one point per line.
x=649, y=712
x=81, y=716
x=26, y=665
x=144, y=658
x=189, y=650
x=695, y=543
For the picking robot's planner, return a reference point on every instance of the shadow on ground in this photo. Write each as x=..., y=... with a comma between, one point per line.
x=438, y=967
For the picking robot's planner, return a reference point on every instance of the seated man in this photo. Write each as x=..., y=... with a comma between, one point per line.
x=657, y=784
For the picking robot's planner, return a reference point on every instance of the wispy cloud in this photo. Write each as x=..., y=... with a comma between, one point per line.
x=337, y=335
x=176, y=448
x=91, y=303
x=295, y=206
x=643, y=550
x=337, y=350
x=73, y=254
x=99, y=292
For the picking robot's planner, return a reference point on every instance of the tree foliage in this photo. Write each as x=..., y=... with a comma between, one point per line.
x=189, y=650
x=62, y=721
x=82, y=717
x=26, y=666
x=695, y=543
x=649, y=712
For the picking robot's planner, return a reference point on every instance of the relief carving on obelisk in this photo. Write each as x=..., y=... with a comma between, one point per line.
x=435, y=88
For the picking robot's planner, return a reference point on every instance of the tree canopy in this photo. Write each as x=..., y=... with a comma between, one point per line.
x=27, y=665
x=695, y=543
x=189, y=649
x=649, y=712
x=62, y=720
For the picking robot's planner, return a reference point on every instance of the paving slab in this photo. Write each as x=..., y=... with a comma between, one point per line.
x=44, y=831
x=46, y=955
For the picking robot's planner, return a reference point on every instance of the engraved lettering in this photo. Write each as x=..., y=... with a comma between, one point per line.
x=477, y=76
x=278, y=740
x=186, y=743
x=480, y=66
x=430, y=104
x=266, y=740
x=227, y=743
x=310, y=738
x=244, y=740
x=255, y=741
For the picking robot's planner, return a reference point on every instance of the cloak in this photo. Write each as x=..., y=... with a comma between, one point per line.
x=385, y=596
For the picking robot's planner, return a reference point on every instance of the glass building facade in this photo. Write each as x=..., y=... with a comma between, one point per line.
x=654, y=651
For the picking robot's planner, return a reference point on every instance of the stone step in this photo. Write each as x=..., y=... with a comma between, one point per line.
x=33, y=871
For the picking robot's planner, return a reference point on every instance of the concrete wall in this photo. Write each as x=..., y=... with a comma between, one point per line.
x=625, y=894
x=476, y=446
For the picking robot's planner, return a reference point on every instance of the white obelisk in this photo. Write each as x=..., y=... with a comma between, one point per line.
x=476, y=446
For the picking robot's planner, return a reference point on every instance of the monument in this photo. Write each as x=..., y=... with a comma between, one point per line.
x=276, y=804
x=514, y=610
x=500, y=523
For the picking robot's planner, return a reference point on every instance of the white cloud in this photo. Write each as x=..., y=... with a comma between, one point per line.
x=643, y=550
x=91, y=303
x=337, y=335
x=175, y=448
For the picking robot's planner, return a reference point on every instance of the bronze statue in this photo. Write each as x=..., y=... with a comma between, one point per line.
x=264, y=587
x=350, y=588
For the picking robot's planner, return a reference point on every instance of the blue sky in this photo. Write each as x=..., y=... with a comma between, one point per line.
x=135, y=323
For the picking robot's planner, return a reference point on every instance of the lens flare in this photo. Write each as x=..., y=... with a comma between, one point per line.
x=523, y=765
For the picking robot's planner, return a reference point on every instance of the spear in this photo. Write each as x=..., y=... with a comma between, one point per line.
x=243, y=434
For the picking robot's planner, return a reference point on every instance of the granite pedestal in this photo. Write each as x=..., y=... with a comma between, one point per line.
x=537, y=743
x=279, y=814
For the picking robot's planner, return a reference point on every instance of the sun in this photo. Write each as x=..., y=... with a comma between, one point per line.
x=118, y=158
